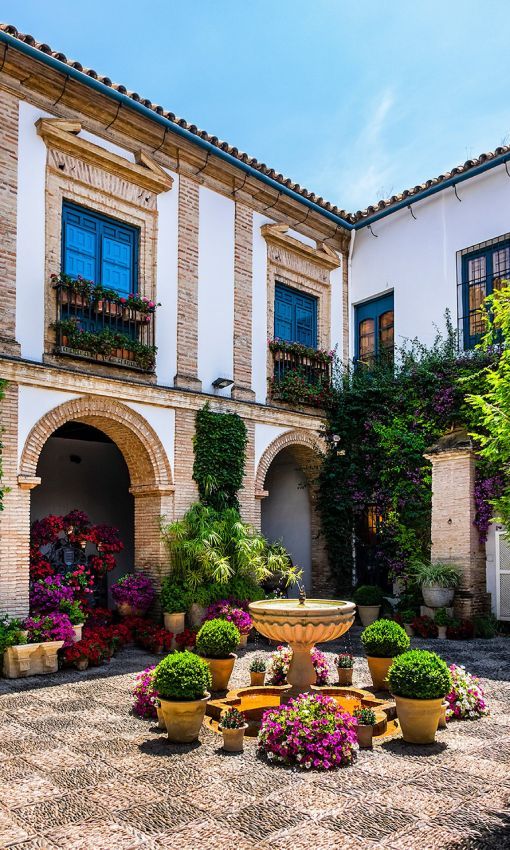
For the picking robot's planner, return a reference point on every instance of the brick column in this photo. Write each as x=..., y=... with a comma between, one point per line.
x=186, y=491
x=8, y=212
x=187, y=280
x=151, y=502
x=15, y=516
x=250, y=508
x=243, y=280
x=454, y=536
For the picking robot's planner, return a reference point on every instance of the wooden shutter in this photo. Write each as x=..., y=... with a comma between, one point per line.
x=502, y=576
x=295, y=316
x=80, y=244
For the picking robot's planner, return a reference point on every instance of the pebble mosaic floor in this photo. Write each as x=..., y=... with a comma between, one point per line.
x=79, y=772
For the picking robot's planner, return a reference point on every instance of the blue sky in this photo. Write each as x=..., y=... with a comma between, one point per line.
x=352, y=100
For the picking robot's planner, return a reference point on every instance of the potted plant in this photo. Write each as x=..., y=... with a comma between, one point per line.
x=365, y=729
x=11, y=635
x=383, y=641
x=175, y=600
x=75, y=613
x=407, y=616
x=42, y=637
x=437, y=582
x=133, y=594
x=181, y=681
x=77, y=655
x=369, y=599
x=344, y=664
x=232, y=726
x=216, y=642
x=441, y=619
x=419, y=681
x=257, y=672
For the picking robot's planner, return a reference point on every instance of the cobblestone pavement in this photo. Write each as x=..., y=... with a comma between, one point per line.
x=79, y=772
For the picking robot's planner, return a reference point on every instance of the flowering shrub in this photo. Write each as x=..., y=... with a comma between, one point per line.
x=279, y=664
x=45, y=627
x=425, y=627
x=47, y=594
x=135, y=589
x=186, y=639
x=466, y=700
x=310, y=731
x=153, y=638
x=345, y=661
x=145, y=694
x=226, y=609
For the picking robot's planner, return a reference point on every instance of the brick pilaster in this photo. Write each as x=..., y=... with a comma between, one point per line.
x=187, y=298
x=8, y=211
x=243, y=280
x=186, y=491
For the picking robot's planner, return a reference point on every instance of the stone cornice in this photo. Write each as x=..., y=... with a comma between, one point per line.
x=322, y=255
x=62, y=135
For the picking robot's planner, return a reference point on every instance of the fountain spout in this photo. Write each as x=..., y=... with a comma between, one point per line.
x=302, y=594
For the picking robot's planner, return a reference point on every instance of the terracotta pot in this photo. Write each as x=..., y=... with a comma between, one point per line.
x=233, y=739
x=77, y=632
x=418, y=719
x=161, y=719
x=344, y=675
x=82, y=664
x=438, y=597
x=368, y=614
x=441, y=632
x=127, y=610
x=183, y=720
x=257, y=679
x=441, y=724
x=221, y=671
x=408, y=630
x=174, y=622
x=379, y=671
x=365, y=735
x=243, y=641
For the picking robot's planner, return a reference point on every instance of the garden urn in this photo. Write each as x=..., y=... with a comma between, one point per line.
x=183, y=719
x=365, y=733
x=174, y=622
x=368, y=614
x=379, y=671
x=221, y=671
x=257, y=678
x=344, y=675
x=418, y=718
x=233, y=739
x=436, y=596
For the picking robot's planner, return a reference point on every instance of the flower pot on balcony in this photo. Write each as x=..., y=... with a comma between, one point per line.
x=73, y=298
x=31, y=659
x=183, y=719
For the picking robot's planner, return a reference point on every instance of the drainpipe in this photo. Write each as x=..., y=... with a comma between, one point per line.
x=123, y=99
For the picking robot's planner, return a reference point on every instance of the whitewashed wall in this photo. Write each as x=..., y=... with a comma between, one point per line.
x=259, y=309
x=417, y=259
x=35, y=402
x=167, y=284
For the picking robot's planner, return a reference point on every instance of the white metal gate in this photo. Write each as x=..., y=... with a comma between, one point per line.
x=502, y=576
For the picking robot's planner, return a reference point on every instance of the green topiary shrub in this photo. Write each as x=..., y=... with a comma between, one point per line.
x=368, y=594
x=419, y=674
x=384, y=639
x=175, y=597
x=182, y=676
x=217, y=639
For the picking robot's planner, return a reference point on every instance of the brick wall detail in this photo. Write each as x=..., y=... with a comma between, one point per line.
x=187, y=295
x=243, y=281
x=8, y=215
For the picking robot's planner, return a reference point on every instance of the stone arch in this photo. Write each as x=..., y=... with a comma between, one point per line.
x=307, y=450
x=148, y=466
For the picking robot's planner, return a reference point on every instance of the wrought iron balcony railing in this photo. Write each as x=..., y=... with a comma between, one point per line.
x=94, y=327
x=301, y=375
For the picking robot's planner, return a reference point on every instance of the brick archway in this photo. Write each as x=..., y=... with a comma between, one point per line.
x=148, y=466
x=307, y=450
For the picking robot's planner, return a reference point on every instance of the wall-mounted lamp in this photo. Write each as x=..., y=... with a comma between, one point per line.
x=222, y=383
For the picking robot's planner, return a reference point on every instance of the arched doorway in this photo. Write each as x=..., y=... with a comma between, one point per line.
x=286, y=483
x=142, y=459
x=81, y=468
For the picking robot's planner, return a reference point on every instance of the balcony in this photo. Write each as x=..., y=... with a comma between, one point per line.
x=301, y=376
x=97, y=324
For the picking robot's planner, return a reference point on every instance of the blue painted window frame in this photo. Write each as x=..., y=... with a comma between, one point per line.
x=470, y=340
x=295, y=300
x=373, y=309
x=100, y=228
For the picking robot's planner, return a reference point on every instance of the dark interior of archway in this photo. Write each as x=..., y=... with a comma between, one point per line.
x=81, y=467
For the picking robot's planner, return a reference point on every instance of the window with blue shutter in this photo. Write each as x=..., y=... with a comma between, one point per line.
x=100, y=249
x=295, y=316
x=373, y=329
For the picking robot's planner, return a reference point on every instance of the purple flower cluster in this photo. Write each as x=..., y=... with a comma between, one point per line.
x=135, y=589
x=310, y=731
x=321, y=667
x=486, y=490
x=144, y=693
x=226, y=609
x=46, y=627
x=47, y=594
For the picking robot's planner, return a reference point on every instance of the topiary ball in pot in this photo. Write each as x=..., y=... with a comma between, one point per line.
x=181, y=681
x=419, y=680
x=216, y=642
x=383, y=641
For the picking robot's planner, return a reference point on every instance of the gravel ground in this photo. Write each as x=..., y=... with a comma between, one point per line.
x=79, y=772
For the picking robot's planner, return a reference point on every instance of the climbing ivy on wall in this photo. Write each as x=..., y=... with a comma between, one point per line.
x=220, y=447
x=375, y=485
x=2, y=488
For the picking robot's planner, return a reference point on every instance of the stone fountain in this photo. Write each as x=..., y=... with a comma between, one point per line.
x=302, y=623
